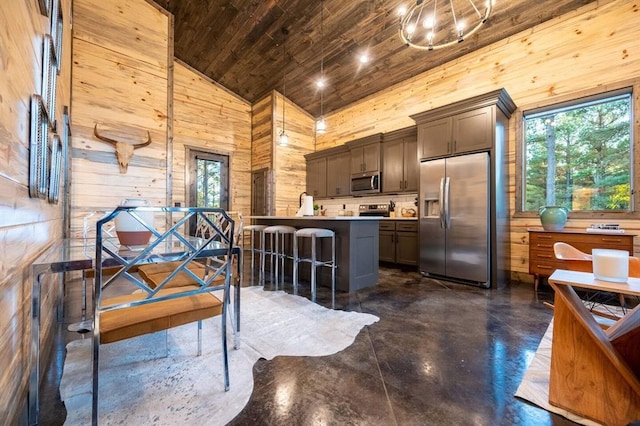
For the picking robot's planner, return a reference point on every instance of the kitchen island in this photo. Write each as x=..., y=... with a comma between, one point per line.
x=357, y=240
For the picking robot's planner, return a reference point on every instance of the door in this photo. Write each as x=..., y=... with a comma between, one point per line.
x=209, y=181
x=432, y=231
x=467, y=240
x=259, y=191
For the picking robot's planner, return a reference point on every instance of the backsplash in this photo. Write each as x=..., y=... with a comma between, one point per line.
x=334, y=206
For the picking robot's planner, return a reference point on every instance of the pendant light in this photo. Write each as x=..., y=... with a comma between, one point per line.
x=321, y=125
x=284, y=139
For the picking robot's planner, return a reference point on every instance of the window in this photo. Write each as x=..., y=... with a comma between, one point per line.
x=209, y=181
x=578, y=155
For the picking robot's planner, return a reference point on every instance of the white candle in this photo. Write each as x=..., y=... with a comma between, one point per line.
x=611, y=265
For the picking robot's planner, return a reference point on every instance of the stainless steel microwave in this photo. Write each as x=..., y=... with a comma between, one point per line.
x=367, y=184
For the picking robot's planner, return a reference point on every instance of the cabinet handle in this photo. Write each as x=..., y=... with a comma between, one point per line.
x=545, y=237
x=454, y=146
x=611, y=240
x=545, y=267
x=405, y=185
x=545, y=256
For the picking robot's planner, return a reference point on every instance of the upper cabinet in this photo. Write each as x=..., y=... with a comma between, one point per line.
x=400, y=161
x=317, y=176
x=328, y=172
x=466, y=126
x=365, y=154
x=338, y=176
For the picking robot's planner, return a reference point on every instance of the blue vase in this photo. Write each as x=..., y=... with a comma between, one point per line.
x=553, y=218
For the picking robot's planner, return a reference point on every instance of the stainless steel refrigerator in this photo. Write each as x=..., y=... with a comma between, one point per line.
x=455, y=218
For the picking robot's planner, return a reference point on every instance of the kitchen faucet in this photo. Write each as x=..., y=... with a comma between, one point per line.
x=300, y=198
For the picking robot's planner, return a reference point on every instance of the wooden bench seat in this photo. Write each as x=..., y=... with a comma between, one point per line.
x=124, y=323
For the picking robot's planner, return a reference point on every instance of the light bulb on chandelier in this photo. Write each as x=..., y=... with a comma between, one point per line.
x=433, y=24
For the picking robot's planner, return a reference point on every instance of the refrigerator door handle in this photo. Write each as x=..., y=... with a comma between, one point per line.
x=441, y=203
x=447, y=213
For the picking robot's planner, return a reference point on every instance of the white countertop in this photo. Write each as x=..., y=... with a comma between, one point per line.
x=334, y=217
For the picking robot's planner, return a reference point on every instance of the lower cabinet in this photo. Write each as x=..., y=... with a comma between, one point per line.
x=399, y=242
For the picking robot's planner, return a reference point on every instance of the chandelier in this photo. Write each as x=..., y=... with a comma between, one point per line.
x=433, y=24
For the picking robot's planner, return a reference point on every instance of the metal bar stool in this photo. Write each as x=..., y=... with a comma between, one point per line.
x=276, y=250
x=254, y=249
x=314, y=234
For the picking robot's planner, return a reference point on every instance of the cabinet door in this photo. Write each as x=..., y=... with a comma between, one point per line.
x=407, y=248
x=434, y=138
x=411, y=165
x=357, y=166
x=387, y=250
x=338, y=176
x=371, y=157
x=317, y=177
x=393, y=166
x=473, y=131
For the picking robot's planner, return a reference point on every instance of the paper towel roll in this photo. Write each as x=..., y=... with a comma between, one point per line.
x=610, y=265
x=307, y=206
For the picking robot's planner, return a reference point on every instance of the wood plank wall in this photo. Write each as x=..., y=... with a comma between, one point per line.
x=288, y=163
x=594, y=47
x=262, y=142
x=120, y=82
x=210, y=118
x=27, y=226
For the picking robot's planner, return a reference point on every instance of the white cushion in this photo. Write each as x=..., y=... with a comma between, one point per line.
x=318, y=232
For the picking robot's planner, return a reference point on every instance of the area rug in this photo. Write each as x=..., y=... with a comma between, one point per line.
x=535, y=383
x=158, y=379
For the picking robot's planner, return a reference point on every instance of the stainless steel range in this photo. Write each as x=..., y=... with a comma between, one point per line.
x=374, y=210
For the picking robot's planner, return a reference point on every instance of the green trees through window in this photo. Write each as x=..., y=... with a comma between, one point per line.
x=579, y=155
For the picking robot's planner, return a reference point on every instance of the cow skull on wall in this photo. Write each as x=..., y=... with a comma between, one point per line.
x=124, y=151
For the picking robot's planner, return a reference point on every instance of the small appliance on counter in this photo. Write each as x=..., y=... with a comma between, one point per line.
x=374, y=210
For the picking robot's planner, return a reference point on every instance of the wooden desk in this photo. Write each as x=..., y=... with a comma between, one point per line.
x=542, y=261
x=595, y=373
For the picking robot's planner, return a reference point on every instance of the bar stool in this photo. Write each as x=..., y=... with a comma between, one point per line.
x=276, y=250
x=314, y=234
x=253, y=239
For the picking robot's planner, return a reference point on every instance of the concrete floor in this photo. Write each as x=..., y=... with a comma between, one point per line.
x=441, y=354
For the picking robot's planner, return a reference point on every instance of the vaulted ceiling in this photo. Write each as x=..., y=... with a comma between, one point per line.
x=238, y=43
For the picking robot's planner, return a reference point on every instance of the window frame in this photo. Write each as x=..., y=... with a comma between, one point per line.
x=605, y=91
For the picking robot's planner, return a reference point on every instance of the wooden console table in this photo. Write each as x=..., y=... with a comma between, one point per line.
x=595, y=373
x=542, y=260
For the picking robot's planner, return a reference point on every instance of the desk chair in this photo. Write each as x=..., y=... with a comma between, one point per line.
x=148, y=310
x=576, y=260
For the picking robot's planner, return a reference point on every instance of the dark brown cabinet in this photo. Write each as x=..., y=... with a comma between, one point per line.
x=317, y=177
x=338, y=176
x=399, y=242
x=400, y=167
x=365, y=154
x=465, y=132
x=328, y=173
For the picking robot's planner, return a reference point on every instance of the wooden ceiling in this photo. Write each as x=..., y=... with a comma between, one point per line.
x=238, y=43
